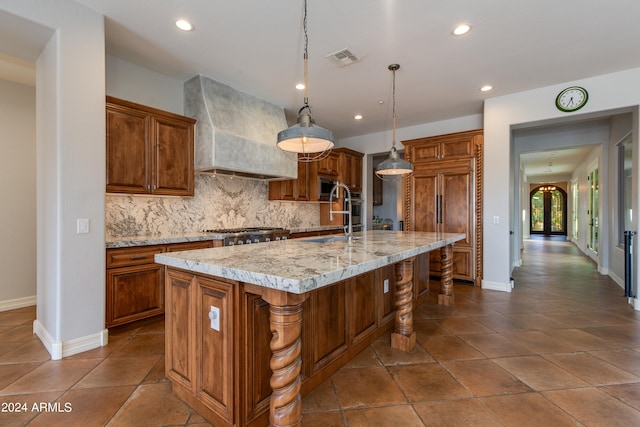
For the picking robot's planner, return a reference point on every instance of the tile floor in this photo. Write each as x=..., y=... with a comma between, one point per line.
x=562, y=349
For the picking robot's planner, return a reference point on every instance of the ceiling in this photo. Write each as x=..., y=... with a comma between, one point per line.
x=547, y=166
x=257, y=46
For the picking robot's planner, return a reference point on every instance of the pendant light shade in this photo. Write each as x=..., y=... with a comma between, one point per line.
x=393, y=166
x=311, y=142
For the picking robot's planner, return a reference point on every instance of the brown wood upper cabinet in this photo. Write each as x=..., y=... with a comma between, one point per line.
x=342, y=164
x=149, y=151
x=445, y=194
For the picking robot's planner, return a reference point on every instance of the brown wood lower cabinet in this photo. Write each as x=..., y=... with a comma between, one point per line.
x=135, y=283
x=225, y=375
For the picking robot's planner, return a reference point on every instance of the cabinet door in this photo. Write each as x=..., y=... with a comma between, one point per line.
x=172, y=157
x=180, y=351
x=215, y=348
x=457, y=204
x=128, y=150
x=134, y=293
x=362, y=305
x=329, y=336
x=426, y=194
x=302, y=187
x=329, y=165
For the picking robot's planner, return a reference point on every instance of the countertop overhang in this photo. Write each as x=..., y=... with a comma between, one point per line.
x=302, y=265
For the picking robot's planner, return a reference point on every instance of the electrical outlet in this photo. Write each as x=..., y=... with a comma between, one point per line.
x=214, y=316
x=386, y=285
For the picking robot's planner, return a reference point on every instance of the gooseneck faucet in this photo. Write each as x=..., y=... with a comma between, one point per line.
x=349, y=231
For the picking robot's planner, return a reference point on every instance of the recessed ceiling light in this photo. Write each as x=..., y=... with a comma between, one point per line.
x=185, y=25
x=461, y=29
x=486, y=88
x=358, y=117
x=300, y=86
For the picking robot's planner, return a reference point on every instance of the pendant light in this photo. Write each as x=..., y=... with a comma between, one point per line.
x=311, y=142
x=393, y=166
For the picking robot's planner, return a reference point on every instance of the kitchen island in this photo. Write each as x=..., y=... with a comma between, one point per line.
x=251, y=328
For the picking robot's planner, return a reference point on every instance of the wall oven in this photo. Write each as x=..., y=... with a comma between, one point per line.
x=356, y=211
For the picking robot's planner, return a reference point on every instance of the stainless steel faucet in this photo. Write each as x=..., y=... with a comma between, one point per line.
x=349, y=231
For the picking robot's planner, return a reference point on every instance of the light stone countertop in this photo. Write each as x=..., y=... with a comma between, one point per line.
x=124, y=242
x=301, y=265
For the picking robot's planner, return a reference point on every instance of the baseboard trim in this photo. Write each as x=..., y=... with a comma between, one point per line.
x=497, y=286
x=58, y=350
x=12, y=304
x=617, y=279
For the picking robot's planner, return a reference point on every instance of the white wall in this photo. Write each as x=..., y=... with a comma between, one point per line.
x=608, y=95
x=133, y=83
x=70, y=153
x=18, y=192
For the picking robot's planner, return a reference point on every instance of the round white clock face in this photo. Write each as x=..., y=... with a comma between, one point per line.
x=572, y=99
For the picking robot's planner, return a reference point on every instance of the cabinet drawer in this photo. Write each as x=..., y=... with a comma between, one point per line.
x=124, y=257
x=189, y=246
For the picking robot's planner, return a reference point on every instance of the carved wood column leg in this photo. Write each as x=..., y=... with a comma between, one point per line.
x=285, y=403
x=446, y=296
x=403, y=336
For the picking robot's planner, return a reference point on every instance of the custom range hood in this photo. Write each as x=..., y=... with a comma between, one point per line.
x=236, y=132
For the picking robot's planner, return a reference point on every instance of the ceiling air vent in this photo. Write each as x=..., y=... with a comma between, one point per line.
x=342, y=58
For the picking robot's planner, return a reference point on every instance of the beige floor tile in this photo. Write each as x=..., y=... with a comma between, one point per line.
x=527, y=410
x=628, y=393
x=456, y=413
x=449, y=348
x=32, y=351
x=390, y=356
x=496, y=345
x=388, y=416
x=117, y=371
x=53, y=375
x=538, y=373
x=367, y=358
x=85, y=408
x=324, y=419
x=427, y=382
x=366, y=387
x=594, y=407
x=462, y=326
x=626, y=359
x=321, y=399
x=591, y=369
x=539, y=342
x=143, y=408
x=19, y=415
x=139, y=345
x=10, y=373
x=485, y=378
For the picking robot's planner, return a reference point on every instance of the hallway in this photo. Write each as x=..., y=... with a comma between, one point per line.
x=562, y=350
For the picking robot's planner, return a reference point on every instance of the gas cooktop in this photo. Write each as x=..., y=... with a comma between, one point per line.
x=243, y=230
x=248, y=235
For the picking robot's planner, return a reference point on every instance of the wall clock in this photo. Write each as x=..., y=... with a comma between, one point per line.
x=572, y=98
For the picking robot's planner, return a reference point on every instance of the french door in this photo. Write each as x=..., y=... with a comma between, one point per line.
x=594, y=200
x=548, y=207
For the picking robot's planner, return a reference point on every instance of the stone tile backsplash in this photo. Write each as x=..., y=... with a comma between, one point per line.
x=219, y=202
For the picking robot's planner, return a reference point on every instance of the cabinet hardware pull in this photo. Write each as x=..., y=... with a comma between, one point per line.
x=440, y=207
x=135, y=257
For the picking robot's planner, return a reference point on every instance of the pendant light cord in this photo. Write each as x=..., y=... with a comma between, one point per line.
x=306, y=58
x=393, y=110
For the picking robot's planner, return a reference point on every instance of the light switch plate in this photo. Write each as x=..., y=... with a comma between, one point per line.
x=82, y=226
x=214, y=317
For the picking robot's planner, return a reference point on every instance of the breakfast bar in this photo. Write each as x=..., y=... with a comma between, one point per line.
x=251, y=328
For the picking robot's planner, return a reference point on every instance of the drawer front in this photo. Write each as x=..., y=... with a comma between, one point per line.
x=125, y=257
x=189, y=246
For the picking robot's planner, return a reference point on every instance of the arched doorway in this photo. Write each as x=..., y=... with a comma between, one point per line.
x=548, y=208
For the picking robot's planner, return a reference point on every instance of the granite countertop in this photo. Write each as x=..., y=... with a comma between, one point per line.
x=301, y=265
x=123, y=242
